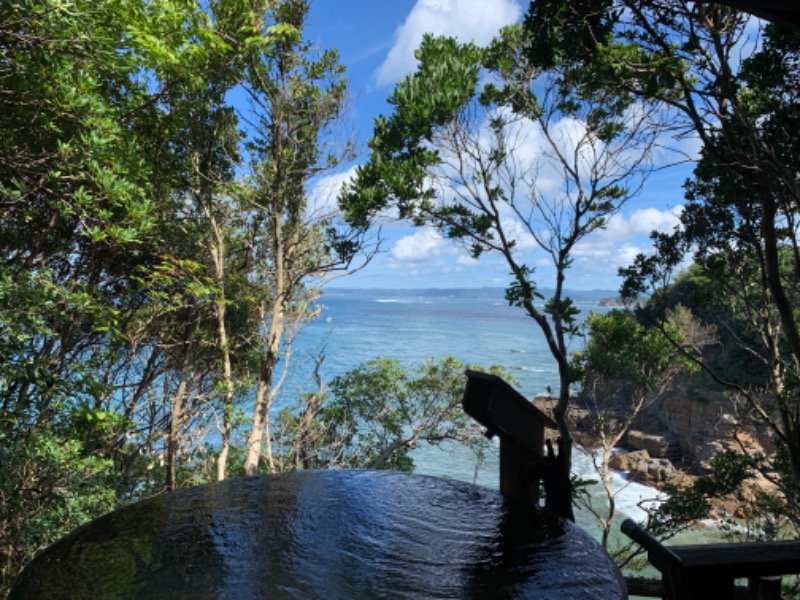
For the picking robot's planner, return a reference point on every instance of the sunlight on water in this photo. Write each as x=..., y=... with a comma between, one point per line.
x=478, y=329
x=457, y=462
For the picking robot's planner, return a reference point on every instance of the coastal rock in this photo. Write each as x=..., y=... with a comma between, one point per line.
x=660, y=446
x=660, y=470
x=682, y=425
x=642, y=467
x=701, y=428
x=705, y=453
x=622, y=461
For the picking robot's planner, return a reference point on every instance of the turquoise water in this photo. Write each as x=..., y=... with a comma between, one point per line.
x=477, y=327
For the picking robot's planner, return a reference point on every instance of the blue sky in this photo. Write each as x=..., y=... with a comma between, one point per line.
x=376, y=42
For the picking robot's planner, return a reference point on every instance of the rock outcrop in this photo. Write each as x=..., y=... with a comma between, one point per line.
x=690, y=431
x=643, y=467
x=684, y=427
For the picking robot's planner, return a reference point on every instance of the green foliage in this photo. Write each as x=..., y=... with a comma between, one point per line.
x=49, y=484
x=698, y=289
x=729, y=470
x=619, y=347
x=522, y=288
x=133, y=265
x=739, y=221
x=564, y=310
x=446, y=80
x=687, y=505
x=563, y=31
x=380, y=411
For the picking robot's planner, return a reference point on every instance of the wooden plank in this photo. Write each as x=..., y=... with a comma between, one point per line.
x=659, y=555
x=765, y=588
x=640, y=586
x=742, y=560
x=519, y=420
x=654, y=588
x=515, y=472
x=476, y=399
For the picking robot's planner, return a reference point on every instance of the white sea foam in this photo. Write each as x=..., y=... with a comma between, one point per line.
x=632, y=499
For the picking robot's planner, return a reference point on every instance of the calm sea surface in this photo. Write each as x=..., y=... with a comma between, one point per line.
x=477, y=327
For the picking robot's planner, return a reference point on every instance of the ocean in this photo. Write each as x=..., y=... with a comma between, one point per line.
x=474, y=326
x=477, y=327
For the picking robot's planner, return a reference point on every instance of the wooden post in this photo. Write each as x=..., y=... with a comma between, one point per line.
x=516, y=480
x=506, y=413
x=764, y=588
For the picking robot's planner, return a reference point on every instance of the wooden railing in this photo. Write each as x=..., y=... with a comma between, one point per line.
x=708, y=571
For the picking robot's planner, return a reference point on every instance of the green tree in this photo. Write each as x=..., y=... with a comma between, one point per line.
x=739, y=99
x=477, y=137
x=297, y=98
x=83, y=214
x=49, y=485
x=379, y=412
x=749, y=249
x=210, y=220
x=623, y=359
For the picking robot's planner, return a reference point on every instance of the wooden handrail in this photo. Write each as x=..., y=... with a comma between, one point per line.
x=654, y=548
x=708, y=571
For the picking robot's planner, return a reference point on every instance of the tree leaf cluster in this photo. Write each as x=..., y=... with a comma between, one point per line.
x=148, y=225
x=737, y=97
x=376, y=414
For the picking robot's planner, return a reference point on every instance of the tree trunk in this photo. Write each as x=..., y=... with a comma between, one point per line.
x=258, y=427
x=177, y=409
x=264, y=393
x=313, y=406
x=561, y=502
x=610, y=496
x=790, y=330
x=217, y=250
x=176, y=404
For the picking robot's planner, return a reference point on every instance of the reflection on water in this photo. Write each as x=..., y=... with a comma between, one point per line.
x=331, y=534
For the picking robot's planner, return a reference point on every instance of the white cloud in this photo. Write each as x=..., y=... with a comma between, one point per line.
x=602, y=253
x=641, y=223
x=325, y=192
x=516, y=231
x=651, y=219
x=627, y=253
x=421, y=245
x=468, y=20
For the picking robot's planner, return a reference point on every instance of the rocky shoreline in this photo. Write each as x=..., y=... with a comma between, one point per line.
x=673, y=439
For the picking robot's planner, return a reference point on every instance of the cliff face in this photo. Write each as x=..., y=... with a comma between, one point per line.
x=685, y=426
x=689, y=428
